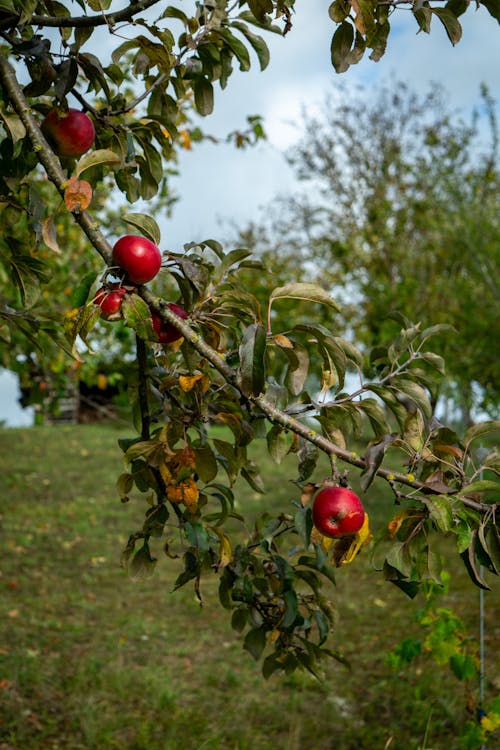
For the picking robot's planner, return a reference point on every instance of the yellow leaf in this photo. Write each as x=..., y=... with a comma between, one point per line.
x=166, y=474
x=273, y=636
x=184, y=492
x=185, y=139
x=328, y=380
x=490, y=722
x=394, y=525
x=225, y=550
x=188, y=382
x=283, y=341
x=360, y=539
x=325, y=541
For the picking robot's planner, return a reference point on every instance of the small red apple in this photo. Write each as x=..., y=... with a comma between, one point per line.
x=138, y=257
x=337, y=511
x=110, y=298
x=69, y=132
x=165, y=332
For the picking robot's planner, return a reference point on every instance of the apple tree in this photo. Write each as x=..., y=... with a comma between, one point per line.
x=235, y=371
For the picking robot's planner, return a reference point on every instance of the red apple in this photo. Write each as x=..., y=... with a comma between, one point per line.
x=110, y=298
x=69, y=132
x=165, y=332
x=337, y=511
x=138, y=257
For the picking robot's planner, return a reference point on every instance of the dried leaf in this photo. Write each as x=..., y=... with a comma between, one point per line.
x=77, y=195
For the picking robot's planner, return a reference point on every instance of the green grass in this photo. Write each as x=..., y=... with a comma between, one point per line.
x=89, y=659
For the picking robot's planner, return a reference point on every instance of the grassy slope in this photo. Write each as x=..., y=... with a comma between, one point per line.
x=91, y=660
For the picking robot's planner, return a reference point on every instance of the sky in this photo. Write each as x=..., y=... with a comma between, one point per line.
x=219, y=184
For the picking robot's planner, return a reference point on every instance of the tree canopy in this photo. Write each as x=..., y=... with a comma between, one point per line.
x=239, y=371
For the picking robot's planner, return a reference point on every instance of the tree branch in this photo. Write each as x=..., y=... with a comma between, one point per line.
x=86, y=21
x=232, y=377
x=277, y=416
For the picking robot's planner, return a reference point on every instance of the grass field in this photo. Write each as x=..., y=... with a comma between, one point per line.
x=89, y=659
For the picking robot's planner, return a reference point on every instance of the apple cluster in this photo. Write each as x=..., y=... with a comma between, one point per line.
x=140, y=260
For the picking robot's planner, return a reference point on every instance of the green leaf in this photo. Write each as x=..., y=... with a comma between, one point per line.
x=307, y=459
x=415, y=393
x=378, y=41
x=239, y=619
x=440, y=511
x=291, y=608
x=488, y=536
x=234, y=256
x=203, y=96
x=470, y=561
x=172, y=12
x=482, y=485
x=146, y=225
x=142, y=564
x=483, y=428
x=255, y=642
x=278, y=443
x=101, y=156
x=250, y=473
x=258, y=44
x=342, y=42
x=252, y=359
x=338, y=11
x=450, y=23
x=463, y=532
x=303, y=290
x=398, y=558
x=80, y=293
x=260, y=8
x=124, y=484
x=272, y=663
x=237, y=47
x=206, y=463
x=435, y=361
x=304, y=524
x=197, y=536
x=375, y=414
x=373, y=457
x=423, y=16
x=99, y=5
x=493, y=8
x=8, y=6
x=138, y=316
x=298, y=368
x=14, y=125
x=156, y=518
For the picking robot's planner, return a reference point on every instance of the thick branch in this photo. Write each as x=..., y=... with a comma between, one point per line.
x=89, y=21
x=46, y=156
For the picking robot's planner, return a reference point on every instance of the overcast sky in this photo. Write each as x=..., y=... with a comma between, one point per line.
x=220, y=183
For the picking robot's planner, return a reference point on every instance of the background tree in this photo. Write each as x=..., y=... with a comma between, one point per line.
x=398, y=215
x=237, y=372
